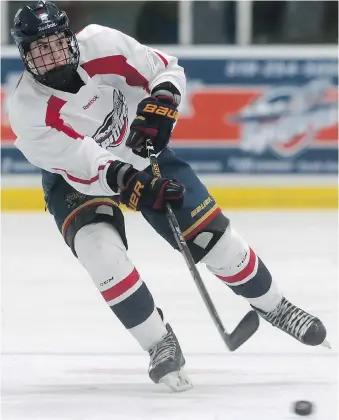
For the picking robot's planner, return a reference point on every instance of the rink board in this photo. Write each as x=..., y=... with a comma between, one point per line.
x=248, y=112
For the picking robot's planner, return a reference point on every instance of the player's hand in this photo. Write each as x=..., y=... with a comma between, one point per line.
x=155, y=119
x=142, y=190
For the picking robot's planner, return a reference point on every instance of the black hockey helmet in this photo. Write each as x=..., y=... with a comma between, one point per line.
x=33, y=23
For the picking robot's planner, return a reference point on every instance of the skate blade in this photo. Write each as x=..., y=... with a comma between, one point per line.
x=326, y=344
x=177, y=381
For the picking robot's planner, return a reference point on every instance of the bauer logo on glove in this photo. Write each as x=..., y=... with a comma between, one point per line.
x=135, y=196
x=142, y=190
x=155, y=119
x=161, y=110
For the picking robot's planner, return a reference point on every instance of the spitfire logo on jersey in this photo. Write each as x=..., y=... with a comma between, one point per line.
x=112, y=132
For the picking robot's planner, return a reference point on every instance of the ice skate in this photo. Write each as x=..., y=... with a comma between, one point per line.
x=296, y=322
x=166, y=364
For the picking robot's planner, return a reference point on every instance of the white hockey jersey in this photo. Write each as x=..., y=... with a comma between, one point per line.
x=78, y=135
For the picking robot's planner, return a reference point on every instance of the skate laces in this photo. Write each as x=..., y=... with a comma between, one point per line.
x=291, y=318
x=164, y=350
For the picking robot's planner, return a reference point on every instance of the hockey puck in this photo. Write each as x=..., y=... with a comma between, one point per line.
x=303, y=408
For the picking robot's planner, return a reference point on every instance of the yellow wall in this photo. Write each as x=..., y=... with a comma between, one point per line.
x=304, y=197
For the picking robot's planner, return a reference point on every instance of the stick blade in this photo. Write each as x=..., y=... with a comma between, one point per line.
x=243, y=331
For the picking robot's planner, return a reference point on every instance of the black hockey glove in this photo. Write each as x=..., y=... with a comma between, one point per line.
x=139, y=189
x=155, y=119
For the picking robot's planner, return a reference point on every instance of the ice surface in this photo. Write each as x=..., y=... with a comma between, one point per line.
x=65, y=356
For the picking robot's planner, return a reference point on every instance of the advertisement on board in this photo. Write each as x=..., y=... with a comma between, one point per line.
x=241, y=115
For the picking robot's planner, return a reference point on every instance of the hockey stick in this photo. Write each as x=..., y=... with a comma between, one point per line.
x=250, y=323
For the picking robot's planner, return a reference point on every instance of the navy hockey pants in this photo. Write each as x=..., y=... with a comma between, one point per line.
x=72, y=210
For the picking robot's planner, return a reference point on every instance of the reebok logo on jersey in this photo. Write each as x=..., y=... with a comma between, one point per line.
x=91, y=102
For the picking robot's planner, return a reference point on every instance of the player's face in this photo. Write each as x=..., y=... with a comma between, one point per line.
x=48, y=53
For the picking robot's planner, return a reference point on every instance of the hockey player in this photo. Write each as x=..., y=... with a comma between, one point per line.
x=82, y=112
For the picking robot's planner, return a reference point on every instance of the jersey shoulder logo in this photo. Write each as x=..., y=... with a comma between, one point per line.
x=114, y=127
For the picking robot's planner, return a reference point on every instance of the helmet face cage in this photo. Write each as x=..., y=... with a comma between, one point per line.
x=47, y=46
x=51, y=52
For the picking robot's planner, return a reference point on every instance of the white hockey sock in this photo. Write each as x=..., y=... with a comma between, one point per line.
x=150, y=332
x=269, y=300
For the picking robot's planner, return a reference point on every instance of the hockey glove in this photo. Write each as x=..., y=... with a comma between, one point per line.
x=155, y=119
x=139, y=189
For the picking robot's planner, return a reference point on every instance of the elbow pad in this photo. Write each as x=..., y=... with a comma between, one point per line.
x=167, y=89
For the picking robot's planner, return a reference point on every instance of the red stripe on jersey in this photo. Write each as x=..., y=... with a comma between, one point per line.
x=245, y=272
x=116, y=64
x=163, y=59
x=54, y=120
x=121, y=287
x=123, y=132
x=84, y=181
